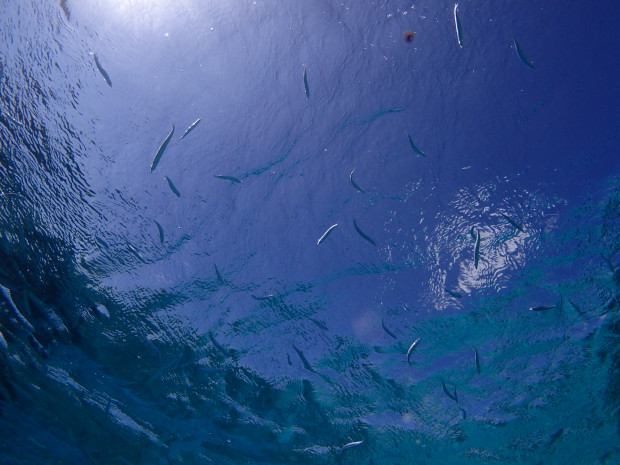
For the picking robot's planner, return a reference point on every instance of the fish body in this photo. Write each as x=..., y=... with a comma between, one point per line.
x=521, y=55
x=326, y=233
x=306, y=86
x=477, y=250
x=414, y=147
x=361, y=233
x=103, y=72
x=351, y=444
x=355, y=184
x=513, y=222
x=464, y=413
x=542, y=308
x=385, y=328
x=172, y=187
x=161, y=150
x=161, y=232
x=307, y=365
x=452, y=396
x=189, y=129
x=477, y=359
x=219, y=276
x=457, y=25
x=134, y=251
x=265, y=297
x=228, y=178
x=411, y=347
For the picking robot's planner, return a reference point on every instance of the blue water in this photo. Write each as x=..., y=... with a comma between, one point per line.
x=476, y=193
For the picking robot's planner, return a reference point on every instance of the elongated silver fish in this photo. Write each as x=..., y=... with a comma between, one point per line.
x=457, y=24
x=521, y=55
x=189, y=129
x=385, y=328
x=477, y=359
x=172, y=187
x=542, y=308
x=161, y=150
x=103, y=72
x=414, y=147
x=452, y=396
x=351, y=444
x=355, y=184
x=513, y=222
x=219, y=276
x=161, y=232
x=361, y=233
x=303, y=358
x=477, y=250
x=228, y=178
x=411, y=347
x=306, y=86
x=326, y=233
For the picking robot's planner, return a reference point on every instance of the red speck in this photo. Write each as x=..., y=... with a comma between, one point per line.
x=409, y=35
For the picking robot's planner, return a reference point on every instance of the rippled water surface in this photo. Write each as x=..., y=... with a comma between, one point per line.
x=179, y=298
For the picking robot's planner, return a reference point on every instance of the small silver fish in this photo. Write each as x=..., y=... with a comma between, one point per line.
x=477, y=359
x=161, y=150
x=326, y=233
x=228, y=178
x=306, y=83
x=161, y=232
x=103, y=72
x=351, y=444
x=415, y=147
x=521, y=55
x=411, y=347
x=477, y=250
x=542, y=308
x=172, y=187
x=457, y=24
x=189, y=129
x=385, y=328
x=361, y=233
x=513, y=222
x=355, y=184
x=219, y=276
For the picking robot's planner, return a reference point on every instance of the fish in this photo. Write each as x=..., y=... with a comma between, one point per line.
x=464, y=413
x=219, y=276
x=414, y=147
x=228, y=178
x=555, y=436
x=306, y=83
x=355, y=184
x=351, y=444
x=452, y=396
x=457, y=24
x=189, y=129
x=390, y=333
x=361, y=233
x=477, y=250
x=103, y=72
x=522, y=56
x=161, y=149
x=610, y=264
x=161, y=232
x=477, y=359
x=307, y=365
x=134, y=251
x=172, y=187
x=542, y=308
x=326, y=233
x=513, y=222
x=411, y=347
x=265, y=297
x=472, y=233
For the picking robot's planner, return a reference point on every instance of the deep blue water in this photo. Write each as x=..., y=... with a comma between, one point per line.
x=167, y=316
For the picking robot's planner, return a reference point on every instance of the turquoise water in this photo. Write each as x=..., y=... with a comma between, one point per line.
x=181, y=302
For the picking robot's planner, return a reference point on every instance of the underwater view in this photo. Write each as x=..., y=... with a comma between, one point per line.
x=309, y=232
